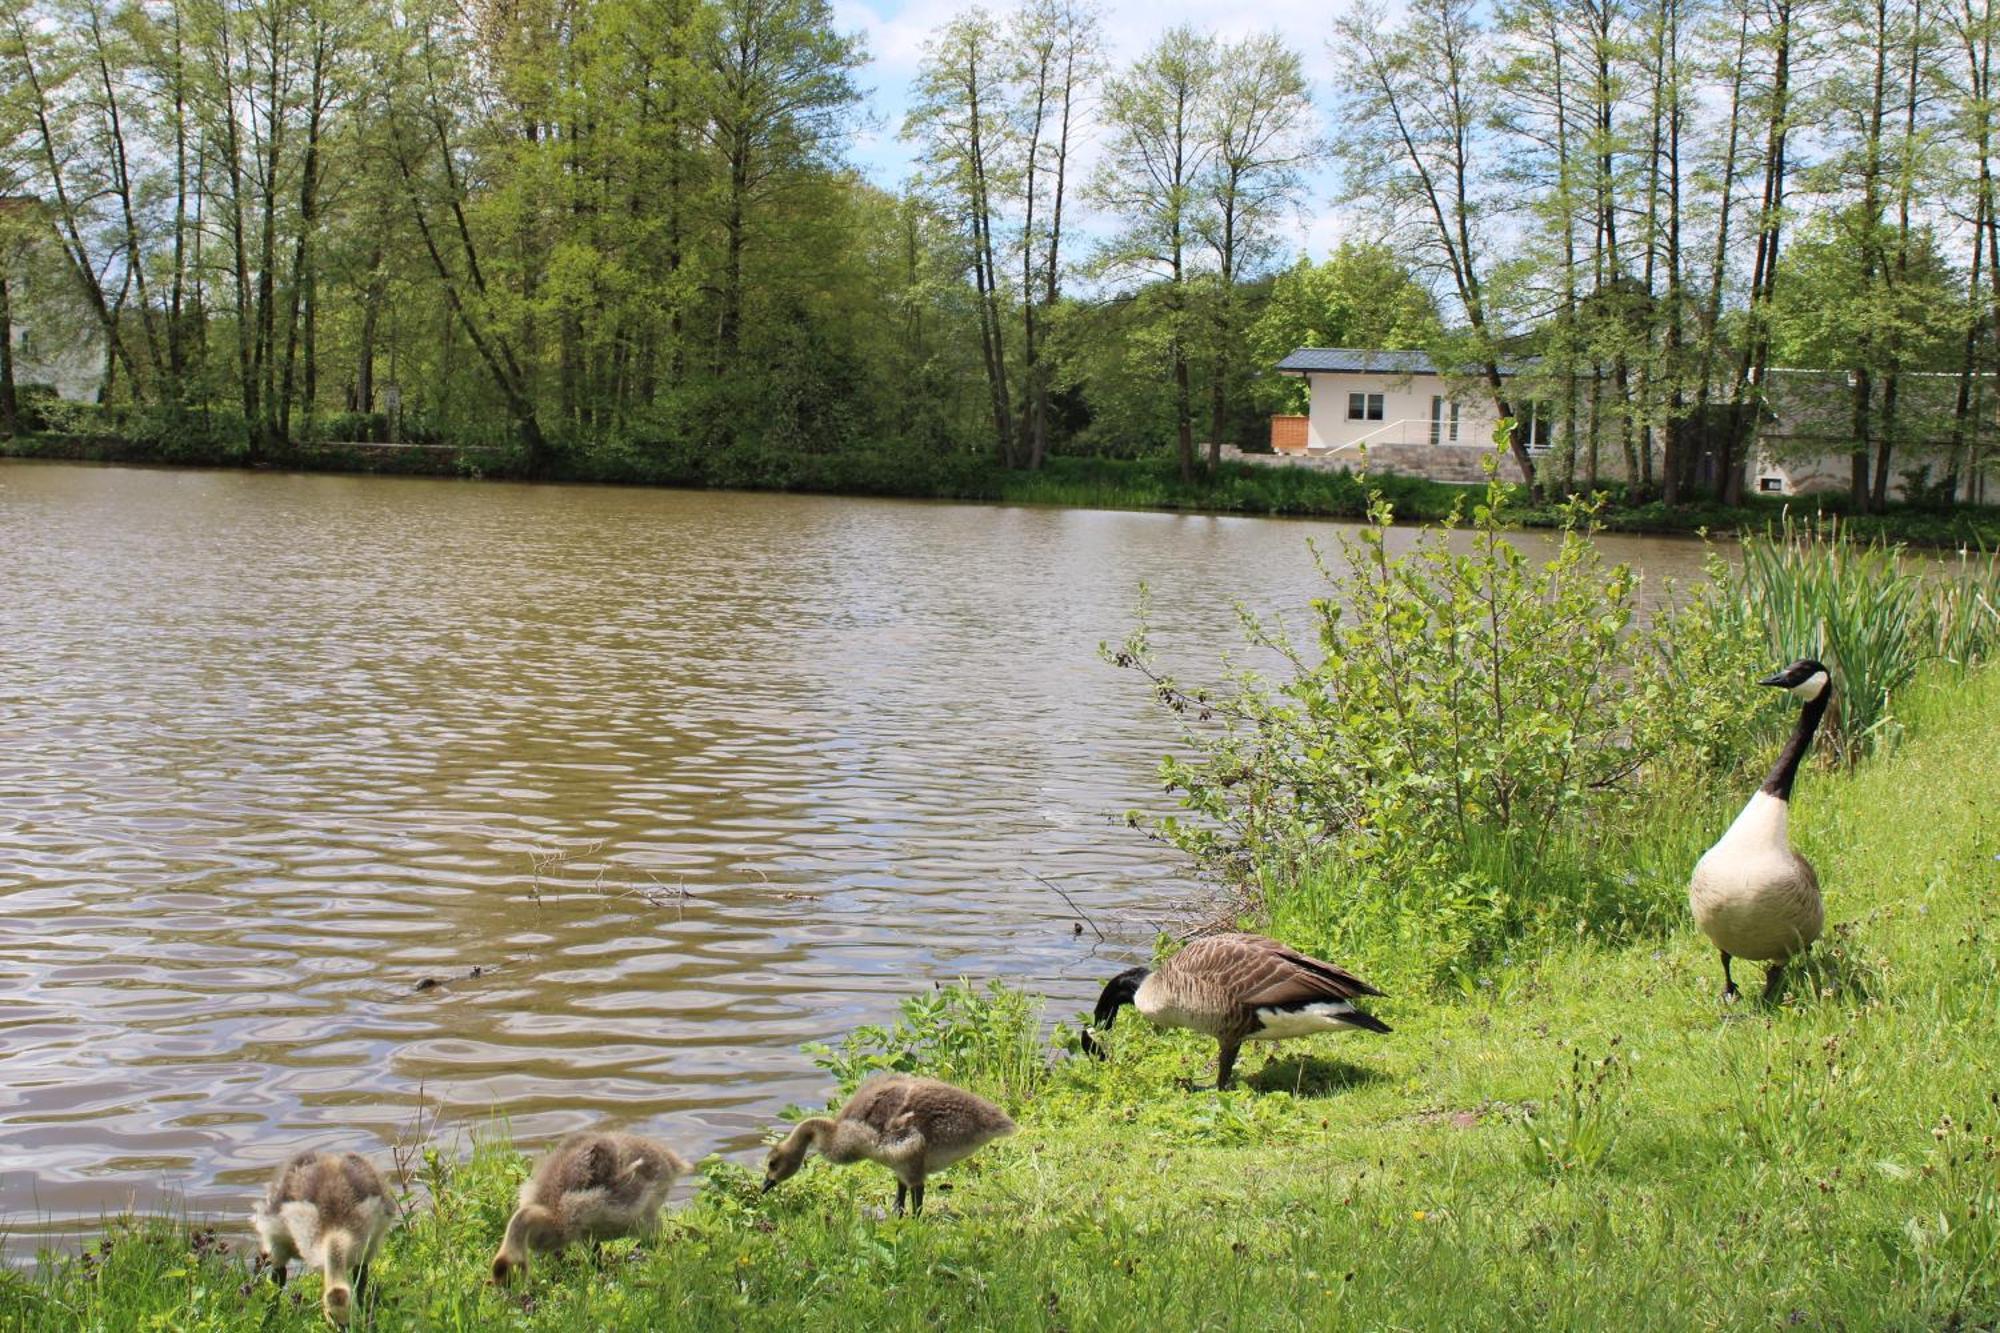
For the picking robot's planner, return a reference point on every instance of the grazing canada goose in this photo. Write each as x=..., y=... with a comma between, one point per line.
x=592, y=1186
x=1238, y=988
x=1751, y=893
x=331, y=1211
x=913, y=1126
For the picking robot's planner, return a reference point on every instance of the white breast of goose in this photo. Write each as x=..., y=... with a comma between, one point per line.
x=1754, y=857
x=1763, y=825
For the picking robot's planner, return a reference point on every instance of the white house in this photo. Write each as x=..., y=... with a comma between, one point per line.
x=54, y=338
x=1398, y=407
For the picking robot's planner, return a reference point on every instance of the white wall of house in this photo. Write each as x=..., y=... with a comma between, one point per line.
x=1406, y=406
x=70, y=361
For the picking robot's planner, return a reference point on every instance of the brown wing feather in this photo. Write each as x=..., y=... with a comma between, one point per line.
x=1257, y=972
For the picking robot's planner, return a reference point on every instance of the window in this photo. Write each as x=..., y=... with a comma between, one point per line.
x=1364, y=407
x=1771, y=484
x=1536, y=425
x=1437, y=416
x=1454, y=424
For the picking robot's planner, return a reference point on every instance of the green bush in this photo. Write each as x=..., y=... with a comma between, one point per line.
x=1438, y=775
x=988, y=1040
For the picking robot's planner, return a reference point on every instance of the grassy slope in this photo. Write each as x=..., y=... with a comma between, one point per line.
x=1827, y=1164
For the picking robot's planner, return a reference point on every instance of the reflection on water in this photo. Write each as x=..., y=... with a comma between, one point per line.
x=691, y=779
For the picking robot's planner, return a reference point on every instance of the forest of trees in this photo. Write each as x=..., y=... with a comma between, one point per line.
x=612, y=228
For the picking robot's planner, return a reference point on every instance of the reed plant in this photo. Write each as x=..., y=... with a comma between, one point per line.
x=1872, y=612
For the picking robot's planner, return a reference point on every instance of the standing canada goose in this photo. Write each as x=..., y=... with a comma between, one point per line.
x=330, y=1211
x=913, y=1126
x=592, y=1186
x=1751, y=893
x=1238, y=988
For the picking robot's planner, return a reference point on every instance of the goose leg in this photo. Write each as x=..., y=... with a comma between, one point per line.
x=278, y=1272
x=1729, y=991
x=1225, y=1064
x=902, y=1193
x=917, y=1199
x=1774, y=982
x=360, y=1284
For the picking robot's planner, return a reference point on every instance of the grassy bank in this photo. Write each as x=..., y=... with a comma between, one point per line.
x=1581, y=1139
x=1094, y=483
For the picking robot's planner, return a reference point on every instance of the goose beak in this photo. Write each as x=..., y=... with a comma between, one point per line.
x=769, y=1185
x=1778, y=678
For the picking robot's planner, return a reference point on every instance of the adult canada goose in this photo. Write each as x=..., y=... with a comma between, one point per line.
x=592, y=1186
x=913, y=1126
x=1751, y=893
x=331, y=1211
x=1238, y=988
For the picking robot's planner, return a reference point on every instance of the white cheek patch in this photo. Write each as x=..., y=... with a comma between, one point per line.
x=1811, y=687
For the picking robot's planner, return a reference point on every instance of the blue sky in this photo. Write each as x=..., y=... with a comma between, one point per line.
x=895, y=31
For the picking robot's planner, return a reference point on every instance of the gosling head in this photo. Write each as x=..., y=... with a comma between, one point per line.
x=786, y=1158
x=1120, y=991
x=530, y=1228
x=1806, y=678
x=337, y=1300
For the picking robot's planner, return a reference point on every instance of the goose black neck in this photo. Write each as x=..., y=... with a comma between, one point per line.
x=1778, y=782
x=1118, y=992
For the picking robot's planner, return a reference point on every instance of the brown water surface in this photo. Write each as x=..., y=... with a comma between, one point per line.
x=693, y=779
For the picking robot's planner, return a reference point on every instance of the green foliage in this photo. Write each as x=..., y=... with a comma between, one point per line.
x=1437, y=769
x=1363, y=295
x=989, y=1040
x=1871, y=613
x=1838, y=303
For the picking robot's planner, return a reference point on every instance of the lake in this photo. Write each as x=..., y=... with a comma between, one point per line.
x=691, y=778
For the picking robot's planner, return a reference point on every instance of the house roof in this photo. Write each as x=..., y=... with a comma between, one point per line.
x=1358, y=359
x=1365, y=361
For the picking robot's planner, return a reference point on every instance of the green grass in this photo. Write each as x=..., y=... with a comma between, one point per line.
x=1585, y=1139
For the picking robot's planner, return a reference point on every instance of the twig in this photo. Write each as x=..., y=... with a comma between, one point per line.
x=1081, y=913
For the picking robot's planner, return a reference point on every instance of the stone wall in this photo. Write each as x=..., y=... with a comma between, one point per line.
x=1438, y=462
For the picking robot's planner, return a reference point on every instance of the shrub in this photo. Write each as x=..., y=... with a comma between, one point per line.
x=988, y=1040
x=1442, y=766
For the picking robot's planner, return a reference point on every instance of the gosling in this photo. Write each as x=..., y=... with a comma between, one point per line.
x=332, y=1211
x=594, y=1187
x=1238, y=988
x=1752, y=895
x=913, y=1126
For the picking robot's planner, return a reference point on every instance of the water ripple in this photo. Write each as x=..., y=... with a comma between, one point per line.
x=691, y=779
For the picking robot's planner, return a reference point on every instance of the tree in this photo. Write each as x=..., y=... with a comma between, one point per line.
x=1360, y=296
x=1156, y=157
x=1260, y=124
x=1418, y=100
x=783, y=92
x=958, y=113
x=1055, y=45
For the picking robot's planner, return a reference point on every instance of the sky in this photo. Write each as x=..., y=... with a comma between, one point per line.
x=895, y=31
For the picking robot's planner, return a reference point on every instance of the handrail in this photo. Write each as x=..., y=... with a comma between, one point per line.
x=1360, y=440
